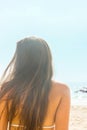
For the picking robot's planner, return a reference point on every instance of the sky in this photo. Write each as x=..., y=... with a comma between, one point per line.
x=63, y=24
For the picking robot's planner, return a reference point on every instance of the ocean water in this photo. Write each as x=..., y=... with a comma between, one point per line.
x=78, y=93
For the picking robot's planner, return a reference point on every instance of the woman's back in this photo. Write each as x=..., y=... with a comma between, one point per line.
x=58, y=110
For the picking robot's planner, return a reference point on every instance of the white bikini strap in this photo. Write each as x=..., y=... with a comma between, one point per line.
x=52, y=126
x=14, y=125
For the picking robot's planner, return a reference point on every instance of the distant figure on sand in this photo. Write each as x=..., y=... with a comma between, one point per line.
x=84, y=90
x=29, y=98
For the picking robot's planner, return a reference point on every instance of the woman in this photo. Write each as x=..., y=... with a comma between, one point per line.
x=29, y=99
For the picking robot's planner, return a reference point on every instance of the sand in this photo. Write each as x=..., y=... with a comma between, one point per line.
x=78, y=118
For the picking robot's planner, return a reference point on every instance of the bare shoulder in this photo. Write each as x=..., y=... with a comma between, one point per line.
x=63, y=106
x=60, y=89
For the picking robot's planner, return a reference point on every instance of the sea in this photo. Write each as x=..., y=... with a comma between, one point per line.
x=78, y=93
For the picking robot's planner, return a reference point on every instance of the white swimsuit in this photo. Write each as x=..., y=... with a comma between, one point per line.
x=14, y=125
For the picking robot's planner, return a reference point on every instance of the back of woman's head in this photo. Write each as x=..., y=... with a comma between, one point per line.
x=27, y=82
x=32, y=60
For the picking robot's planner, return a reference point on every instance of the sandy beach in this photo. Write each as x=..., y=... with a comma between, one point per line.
x=78, y=118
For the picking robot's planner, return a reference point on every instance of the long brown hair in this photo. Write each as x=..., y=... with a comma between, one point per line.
x=27, y=82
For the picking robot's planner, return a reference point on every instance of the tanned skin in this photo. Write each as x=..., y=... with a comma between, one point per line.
x=58, y=109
